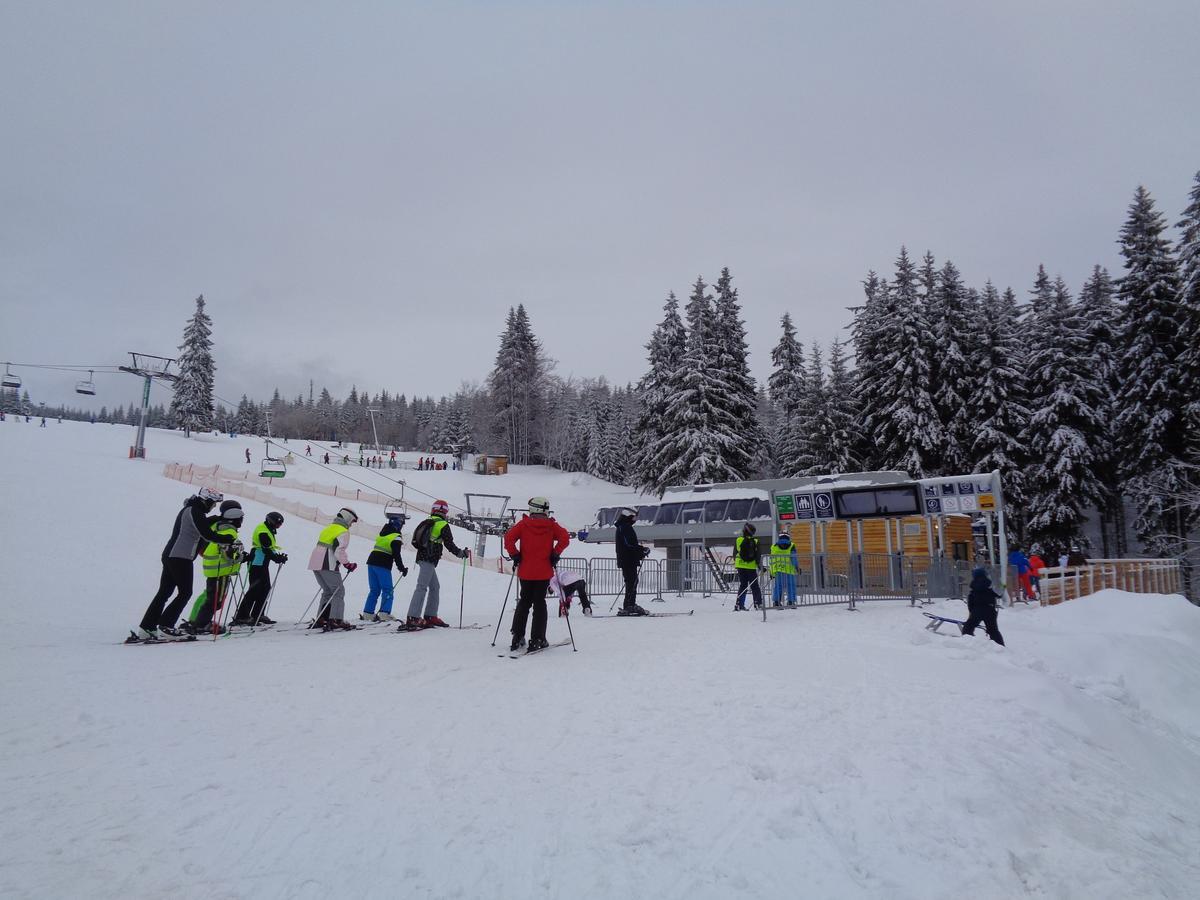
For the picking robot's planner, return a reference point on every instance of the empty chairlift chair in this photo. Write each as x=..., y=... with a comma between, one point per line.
x=10, y=380
x=272, y=468
x=87, y=387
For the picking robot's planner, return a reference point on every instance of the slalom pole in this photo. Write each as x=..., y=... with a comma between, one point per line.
x=271, y=593
x=462, y=589
x=505, y=606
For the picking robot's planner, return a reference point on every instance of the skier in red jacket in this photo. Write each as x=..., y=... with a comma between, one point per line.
x=541, y=542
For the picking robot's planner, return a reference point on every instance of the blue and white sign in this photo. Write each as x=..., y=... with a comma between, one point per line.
x=933, y=505
x=804, y=506
x=823, y=501
x=948, y=490
x=966, y=487
x=931, y=490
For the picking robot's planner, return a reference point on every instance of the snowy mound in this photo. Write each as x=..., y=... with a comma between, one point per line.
x=824, y=753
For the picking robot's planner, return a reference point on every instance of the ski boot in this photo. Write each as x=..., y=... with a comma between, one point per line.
x=758, y=606
x=634, y=610
x=384, y=617
x=412, y=623
x=143, y=636
x=340, y=625
x=368, y=617
x=536, y=644
x=739, y=606
x=518, y=642
x=242, y=623
x=435, y=622
x=263, y=620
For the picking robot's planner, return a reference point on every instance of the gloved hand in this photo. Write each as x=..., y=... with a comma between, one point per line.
x=464, y=553
x=554, y=558
x=516, y=559
x=403, y=572
x=350, y=567
x=246, y=557
x=564, y=606
x=236, y=549
x=645, y=551
x=281, y=557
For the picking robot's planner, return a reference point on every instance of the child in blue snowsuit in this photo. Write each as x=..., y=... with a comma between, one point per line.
x=784, y=566
x=379, y=569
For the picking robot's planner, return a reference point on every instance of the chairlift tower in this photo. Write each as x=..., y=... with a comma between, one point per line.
x=148, y=367
x=372, y=411
x=486, y=519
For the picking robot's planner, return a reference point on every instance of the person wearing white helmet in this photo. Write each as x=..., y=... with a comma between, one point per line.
x=429, y=538
x=191, y=529
x=327, y=557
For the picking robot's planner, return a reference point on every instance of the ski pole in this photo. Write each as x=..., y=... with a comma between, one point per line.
x=329, y=602
x=505, y=606
x=567, y=616
x=271, y=593
x=461, y=591
x=304, y=614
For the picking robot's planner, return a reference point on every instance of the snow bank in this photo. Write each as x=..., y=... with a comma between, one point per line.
x=824, y=753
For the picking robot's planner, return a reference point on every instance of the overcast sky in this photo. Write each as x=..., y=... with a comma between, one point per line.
x=361, y=190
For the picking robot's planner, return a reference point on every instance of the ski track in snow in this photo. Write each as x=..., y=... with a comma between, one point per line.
x=822, y=754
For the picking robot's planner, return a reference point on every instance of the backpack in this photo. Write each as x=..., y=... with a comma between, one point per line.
x=420, y=538
x=749, y=549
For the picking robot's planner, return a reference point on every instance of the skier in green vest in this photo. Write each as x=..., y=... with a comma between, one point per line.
x=221, y=563
x=746, y=562
x=429, y=538
x=327, y=557
x=379, y=569
x=784, y=566
x=264, y=550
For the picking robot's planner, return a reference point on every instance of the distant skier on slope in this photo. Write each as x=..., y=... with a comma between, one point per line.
x=428, y=538
x=327, y=557
x=630, y=554
x=379, y=569
x=535, y=545
x=221, y=563
x=190, y=531
x=264, y=550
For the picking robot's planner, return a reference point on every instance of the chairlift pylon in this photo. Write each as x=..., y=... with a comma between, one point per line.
x=10, y=380
x=87, y=387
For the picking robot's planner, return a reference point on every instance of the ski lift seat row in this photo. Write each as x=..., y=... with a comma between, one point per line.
x=396, y=511
x=10, y=380
x=87, y=387
x=272, y=468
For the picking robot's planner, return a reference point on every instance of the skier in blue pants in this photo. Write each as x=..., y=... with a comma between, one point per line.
x=784, y=566
x=379, y=569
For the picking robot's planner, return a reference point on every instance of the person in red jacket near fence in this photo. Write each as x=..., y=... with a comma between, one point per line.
x=535, y=544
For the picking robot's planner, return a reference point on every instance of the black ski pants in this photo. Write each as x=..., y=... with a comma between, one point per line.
x=748, y=578
x=257, y=590
x=217, y=591
x=630, y=573
x=176, y=576
x=533, y=596
x=988, y=617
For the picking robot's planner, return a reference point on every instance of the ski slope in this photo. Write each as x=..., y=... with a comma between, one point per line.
x=822, y=754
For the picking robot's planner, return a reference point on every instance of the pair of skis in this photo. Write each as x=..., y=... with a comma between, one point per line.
x=563, y=643
x=646, y=616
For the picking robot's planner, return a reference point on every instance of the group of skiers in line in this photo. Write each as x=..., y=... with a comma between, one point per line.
x=534, y=544
x=783, y=565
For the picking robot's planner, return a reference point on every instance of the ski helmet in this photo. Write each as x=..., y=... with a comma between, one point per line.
x=231, y=511
x=274, y=520
x=627, y=512
x=539, y=506
x=439, y=508
x=210, y=496
x=784, y=538
x=748, y=528
x=347, y=515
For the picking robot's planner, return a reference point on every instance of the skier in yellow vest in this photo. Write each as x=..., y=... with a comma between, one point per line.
x=784, y=566
x=379, y=569
x=264, y=550
x=221, y=562
x=746, y=562
x=327, y=557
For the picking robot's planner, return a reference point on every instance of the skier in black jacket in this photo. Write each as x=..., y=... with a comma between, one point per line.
x=630, y=554
x=188, y=537
x=264, y=550
x=981, y=606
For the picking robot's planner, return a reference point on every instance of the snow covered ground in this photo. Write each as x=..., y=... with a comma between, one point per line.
x=822, y=754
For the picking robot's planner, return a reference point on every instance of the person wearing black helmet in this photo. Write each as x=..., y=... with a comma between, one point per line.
x=630, y=554
x=191, y=530
x=264, y=550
